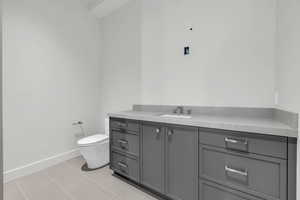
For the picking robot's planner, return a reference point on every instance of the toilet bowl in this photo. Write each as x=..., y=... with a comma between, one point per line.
x=95, y=150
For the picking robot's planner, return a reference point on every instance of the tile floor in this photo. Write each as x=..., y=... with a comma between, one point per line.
x=67, y=182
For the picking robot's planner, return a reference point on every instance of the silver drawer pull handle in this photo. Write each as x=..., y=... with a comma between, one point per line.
x=123, y=141
x=122, y=130
x=122, y=165
x=122, y=124
x=229, y=140
x=229, y=169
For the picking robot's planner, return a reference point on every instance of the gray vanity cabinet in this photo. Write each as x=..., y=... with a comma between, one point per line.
x=249, y=163
x=125, y=148
x=170, y=160
x=251, y=173
x=152, y=162
x=182, y=163
x=191, y=163
x=211, y=191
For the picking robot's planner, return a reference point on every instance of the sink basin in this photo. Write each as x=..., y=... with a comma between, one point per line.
x=176, y=116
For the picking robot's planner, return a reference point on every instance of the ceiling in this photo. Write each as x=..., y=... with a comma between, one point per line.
x=102, y=8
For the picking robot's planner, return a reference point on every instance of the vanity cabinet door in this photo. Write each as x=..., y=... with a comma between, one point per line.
x=152, y=156
x=181, y=163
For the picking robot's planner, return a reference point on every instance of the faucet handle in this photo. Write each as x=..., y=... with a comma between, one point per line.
x=175, y=111
x=181, y=108
x=77, y=123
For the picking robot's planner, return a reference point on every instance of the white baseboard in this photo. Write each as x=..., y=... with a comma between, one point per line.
x=39, y=165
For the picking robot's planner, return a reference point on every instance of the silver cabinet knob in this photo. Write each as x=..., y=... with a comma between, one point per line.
x=157, y=130
x=170, y=132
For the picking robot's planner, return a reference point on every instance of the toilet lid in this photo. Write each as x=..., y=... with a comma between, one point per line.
x=92, y=139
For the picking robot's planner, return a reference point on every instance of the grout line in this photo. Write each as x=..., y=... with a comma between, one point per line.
x=69, y=196
x=21, y=190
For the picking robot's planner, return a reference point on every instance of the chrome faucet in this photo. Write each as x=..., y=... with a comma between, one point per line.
x=180, y=109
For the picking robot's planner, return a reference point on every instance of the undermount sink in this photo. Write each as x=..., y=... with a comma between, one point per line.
x=176, y=116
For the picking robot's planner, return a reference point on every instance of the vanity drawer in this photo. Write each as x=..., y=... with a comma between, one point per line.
x=255, y=174
x=128, y=143
x=125, y=166
x=124, y=125
x=274, y=146
x=211, y=191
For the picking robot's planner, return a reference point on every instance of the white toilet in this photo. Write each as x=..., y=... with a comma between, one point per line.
x=95, y=150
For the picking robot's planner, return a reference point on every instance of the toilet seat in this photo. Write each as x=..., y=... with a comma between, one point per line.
x=87, y=141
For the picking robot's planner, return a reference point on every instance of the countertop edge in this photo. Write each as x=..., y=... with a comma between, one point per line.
x=292, y=133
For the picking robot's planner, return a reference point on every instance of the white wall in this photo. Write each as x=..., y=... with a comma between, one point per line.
x=51, y=77
x=1, y=117
x=233, y=52
x=232, y=44
x=152, y=57
x=288, y=60
x=120, y=71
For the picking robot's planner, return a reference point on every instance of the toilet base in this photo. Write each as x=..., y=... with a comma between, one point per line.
x=96, y=154
x=85, y=167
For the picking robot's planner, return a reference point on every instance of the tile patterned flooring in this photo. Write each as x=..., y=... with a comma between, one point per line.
x=66, y=181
